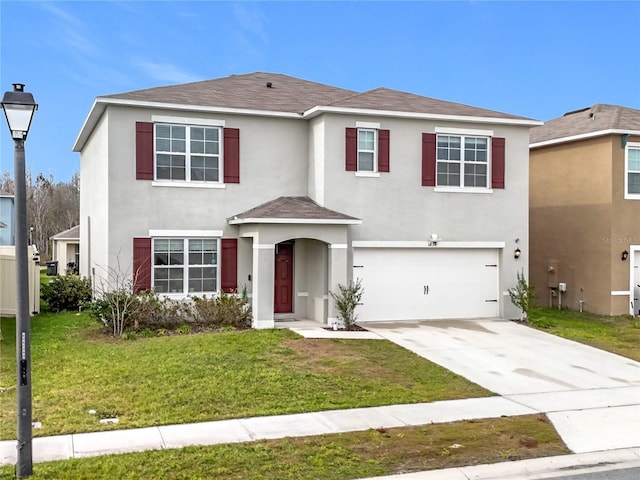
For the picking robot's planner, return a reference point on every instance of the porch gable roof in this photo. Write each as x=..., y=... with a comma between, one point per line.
x=293, y=210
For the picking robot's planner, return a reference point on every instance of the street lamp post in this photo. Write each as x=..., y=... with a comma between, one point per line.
x=19, y=107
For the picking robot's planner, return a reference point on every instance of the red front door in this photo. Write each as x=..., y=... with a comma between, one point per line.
x=283, y=282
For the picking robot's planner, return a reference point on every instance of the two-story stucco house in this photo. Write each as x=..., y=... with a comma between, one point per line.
x=287, y=188
x=585, y=210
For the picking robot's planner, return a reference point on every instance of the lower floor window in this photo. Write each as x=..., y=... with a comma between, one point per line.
x=185, y=265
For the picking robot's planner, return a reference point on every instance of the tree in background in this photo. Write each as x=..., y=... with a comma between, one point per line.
x=52, y=207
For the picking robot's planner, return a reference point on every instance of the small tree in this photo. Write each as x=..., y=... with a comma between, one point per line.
x=114, y=300
x=522, y=295
x=347, y=301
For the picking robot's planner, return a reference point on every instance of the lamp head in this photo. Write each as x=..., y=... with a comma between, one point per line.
x=19, y=107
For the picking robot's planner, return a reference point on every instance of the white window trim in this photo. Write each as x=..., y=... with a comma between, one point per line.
x=368, y=125
x=366, y=173
x=375, y=152
x=467, y=133
x=185, y=266
x=627, y=195
x=190, y=183
x=464, y=131
x=449, y=189
x=185, y=233
x=207, y=122
x=186, y=184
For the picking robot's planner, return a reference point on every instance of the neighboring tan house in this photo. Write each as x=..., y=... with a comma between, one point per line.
x=6, y=219
x=585, y=210
x=288, y=188
x=66, y=250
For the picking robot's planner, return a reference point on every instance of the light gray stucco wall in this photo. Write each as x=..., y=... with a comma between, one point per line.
x=273, y=155
x=94, y=204
x=396, y=207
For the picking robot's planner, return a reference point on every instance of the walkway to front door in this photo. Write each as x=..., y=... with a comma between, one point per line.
x=283, y=281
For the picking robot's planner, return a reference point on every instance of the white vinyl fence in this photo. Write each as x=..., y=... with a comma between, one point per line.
x=8, y=290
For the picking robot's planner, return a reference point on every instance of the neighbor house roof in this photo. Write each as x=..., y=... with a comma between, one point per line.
x=72, y=233
x=599, y=119
x=292, y=210
x=6, y=194
x=281, y=95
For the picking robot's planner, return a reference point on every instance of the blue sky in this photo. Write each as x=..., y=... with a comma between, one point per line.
x=535, y=59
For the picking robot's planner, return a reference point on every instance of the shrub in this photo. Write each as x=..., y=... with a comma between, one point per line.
x=347, y=301
x=66, y=292
x=522, y=295
x=121, y=311
x=114, y=309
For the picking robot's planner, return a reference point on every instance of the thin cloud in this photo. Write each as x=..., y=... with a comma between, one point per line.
x=248, y=32
x=70, y=30
x=166, y=72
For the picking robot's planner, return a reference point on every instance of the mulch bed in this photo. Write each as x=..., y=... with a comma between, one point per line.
x=351, y=328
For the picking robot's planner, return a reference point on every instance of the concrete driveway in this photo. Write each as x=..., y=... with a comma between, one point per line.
x=591, y=396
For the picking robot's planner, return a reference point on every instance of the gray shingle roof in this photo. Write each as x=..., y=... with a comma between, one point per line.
x=72, y=233
x=294, y=95
x=395, y=100
x=249, y=91
x=599, y=117
x=292, y=208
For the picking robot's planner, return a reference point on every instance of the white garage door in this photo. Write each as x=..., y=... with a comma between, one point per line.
x=418, y=283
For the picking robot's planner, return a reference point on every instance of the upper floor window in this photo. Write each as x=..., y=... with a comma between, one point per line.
x=632, y=171
x=187, y=153
x=367, y=154
x=367, y=149
x=462, y=161
x=177, y=154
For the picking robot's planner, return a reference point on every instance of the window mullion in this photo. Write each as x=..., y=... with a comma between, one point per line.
x=185, y=266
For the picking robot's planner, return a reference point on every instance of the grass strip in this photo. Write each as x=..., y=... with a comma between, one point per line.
x=331, y=457
x=620, y=334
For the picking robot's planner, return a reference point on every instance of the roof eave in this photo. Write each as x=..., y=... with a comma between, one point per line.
x=100, y=104
x=307, y=221
x=583, y=136
x=318, y=110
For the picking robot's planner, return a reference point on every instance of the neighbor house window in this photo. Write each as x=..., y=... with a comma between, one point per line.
x=367, y=154
x=185, y=265
x=632, y=170
x=462, y=161
x=187, y=153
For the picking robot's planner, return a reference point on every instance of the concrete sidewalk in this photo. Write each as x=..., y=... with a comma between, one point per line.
x=259, y=428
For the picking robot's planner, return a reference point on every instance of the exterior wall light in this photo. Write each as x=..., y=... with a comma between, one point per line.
x=624, y=256
x=19, y=107
x=516, y=253
x=433, y=239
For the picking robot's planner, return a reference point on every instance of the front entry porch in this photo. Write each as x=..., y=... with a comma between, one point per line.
x=298, y=253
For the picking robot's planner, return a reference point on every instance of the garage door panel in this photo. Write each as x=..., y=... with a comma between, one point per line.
x=415, y=284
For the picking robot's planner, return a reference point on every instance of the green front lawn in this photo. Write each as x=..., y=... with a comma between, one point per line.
x=191, y=378
x=619, y=335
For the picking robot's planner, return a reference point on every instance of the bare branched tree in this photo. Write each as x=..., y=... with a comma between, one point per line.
x=52, y=207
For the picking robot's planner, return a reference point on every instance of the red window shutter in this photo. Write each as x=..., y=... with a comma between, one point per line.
x=428, y=159
x=141, y=264
x=229, y=260
x=383, y=150
x=231, y=155
x=497, y=162
x=144, y=151
x=351, y=154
